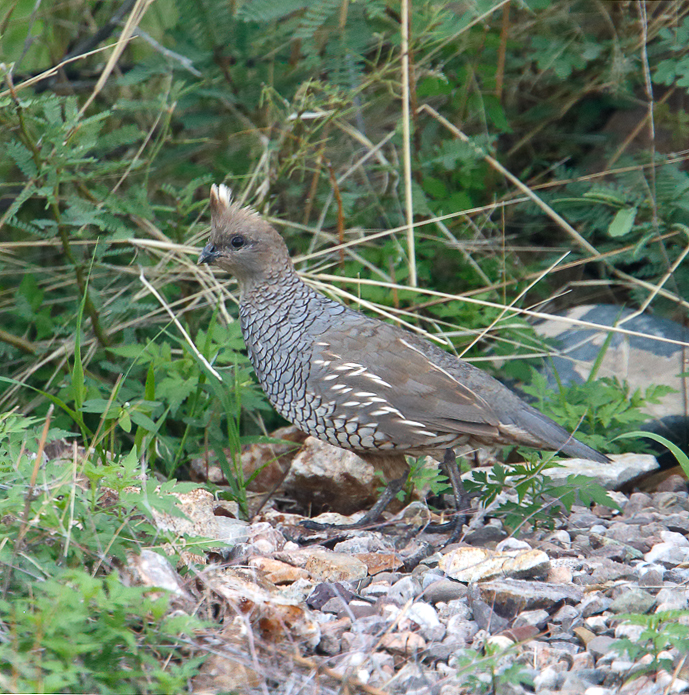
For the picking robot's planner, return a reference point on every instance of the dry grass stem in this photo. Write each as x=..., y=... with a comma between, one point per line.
x=522, y=187
x=135, y=16
x=179, y=326
x=513, y=310
x=406, y=146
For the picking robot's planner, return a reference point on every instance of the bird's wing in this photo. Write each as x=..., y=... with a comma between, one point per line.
x=386, y=375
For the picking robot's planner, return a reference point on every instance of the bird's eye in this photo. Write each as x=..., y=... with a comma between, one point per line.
x=237, y=241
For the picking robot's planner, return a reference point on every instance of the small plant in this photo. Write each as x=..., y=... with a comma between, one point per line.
x=596, y=408
x=493, y=672
x=424, y=476
x=78, y=633
x=536, y=496
x=662, y=631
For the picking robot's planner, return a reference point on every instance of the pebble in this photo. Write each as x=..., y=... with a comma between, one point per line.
x=461, y=630
x=567, y=617
x=561, y=537
x=441, y=589
x=650, y=575
x=597, y=623
x=425, y=617
x=600, y=646
x=633, y=601
x=629, y=631
x=537, y=618
x=405, y=589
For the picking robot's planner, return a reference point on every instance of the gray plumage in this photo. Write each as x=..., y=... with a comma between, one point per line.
x=354, y=381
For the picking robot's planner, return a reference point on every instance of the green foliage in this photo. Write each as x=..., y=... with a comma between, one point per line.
x=662, y=631
x=596, y=407
x=67, y=622
x=492, y=672
x=533, y=497
x=673, y=42
x=82, y=626
x=423, y=476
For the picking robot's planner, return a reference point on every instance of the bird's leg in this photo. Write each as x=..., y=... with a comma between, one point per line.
x=371, y=516
x=461, y=498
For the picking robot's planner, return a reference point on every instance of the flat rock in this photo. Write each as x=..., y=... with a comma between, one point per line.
x=276, y=571
x=622, y=469
x=379, y=562
x=512, y=596
x=444, y=590
x=600, y=645
x=477, y=564
x=325, y=565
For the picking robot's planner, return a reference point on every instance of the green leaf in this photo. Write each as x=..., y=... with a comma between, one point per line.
x=623, y=222
x=138, y=418
x=681, y=457
x=22, y=158
x=100, y=405
x=125, y=422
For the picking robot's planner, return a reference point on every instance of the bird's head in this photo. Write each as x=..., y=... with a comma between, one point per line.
x=242, y=243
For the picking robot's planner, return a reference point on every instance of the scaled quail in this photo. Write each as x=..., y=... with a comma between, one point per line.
x=357, y=382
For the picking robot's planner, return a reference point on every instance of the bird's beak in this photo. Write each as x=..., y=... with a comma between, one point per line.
x=208, y=255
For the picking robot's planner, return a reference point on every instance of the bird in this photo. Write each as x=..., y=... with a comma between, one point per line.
x=357, y=382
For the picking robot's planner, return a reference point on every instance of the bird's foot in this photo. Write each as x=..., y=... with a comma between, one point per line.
x=454, y=527
x=461, y=500
x=370, y=518
x=312, y=525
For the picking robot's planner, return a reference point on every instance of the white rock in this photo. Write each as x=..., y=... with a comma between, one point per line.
x=512, y=544
x=423, y=614
x=621, y=666
x=670, y=683
x=461, y=629
x=426, y=617
x=672, y=599
x=500, y=642
x=674, y=538
x=547, y=679
x=470, y=564
x=624, y=467
x=631, y=632
x=561, y=536
x=667, y=554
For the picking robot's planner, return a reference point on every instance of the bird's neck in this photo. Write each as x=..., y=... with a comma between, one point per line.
x=271, y=290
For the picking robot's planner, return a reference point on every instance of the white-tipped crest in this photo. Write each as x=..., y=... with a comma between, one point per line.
x=223, y=193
